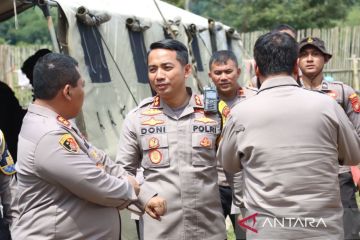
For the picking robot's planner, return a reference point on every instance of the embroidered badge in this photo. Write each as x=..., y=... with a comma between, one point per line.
x=63, y=121
x=69, y=143
x=205, y=142
x=152, y=122
x=7, y=163
x=155, y=156
x=310, y=40
x=156, y=102
x=355, y=103
x=151, y=112
x=197, y=100
x=205, y=120
x=154, y=143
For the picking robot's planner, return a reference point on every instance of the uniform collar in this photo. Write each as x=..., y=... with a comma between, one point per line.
x=196, y=101
x=41, y=110
x=280, y=81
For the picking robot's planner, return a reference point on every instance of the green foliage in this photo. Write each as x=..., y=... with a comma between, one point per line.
x=353, y=17
x=32, y=29
x=252, y=15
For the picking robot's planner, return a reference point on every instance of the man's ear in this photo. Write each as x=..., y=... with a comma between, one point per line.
x=67, y=92
x=257, y=70
x=296, y=69
x=187, y=68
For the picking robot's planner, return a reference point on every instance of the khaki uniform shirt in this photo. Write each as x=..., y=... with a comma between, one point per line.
x=66, y=189
x=178, y=157
x=289, y=150
x=348, y=100
x=224, y=108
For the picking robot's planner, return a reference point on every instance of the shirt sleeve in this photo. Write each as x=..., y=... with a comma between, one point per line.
x=75, y=171
x=348, y=139
x=129, y=155
x=353, y=108
x=227, y=153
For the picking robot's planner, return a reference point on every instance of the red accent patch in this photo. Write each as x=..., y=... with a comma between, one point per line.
x=155, y=156
x=156, y=102
x=197, y=100
x=205, y=142
x=355, y=102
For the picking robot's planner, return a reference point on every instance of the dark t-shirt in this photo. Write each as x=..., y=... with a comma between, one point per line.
x=11, y=117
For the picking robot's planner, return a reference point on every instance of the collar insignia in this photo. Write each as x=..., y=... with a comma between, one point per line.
x=198, y=101
x=156, y=102
x=63, y=121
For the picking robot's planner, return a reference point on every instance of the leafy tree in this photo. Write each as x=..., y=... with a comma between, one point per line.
x=32, y=29
x=251, y=15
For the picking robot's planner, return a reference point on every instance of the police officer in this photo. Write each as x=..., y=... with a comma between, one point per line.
x=7, y=169
x=67, y=189
x=224, y=72
x=312, y=58
x=288, y=148
x=173, y=139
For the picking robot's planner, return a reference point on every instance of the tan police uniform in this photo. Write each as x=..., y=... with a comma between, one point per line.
x=178, y=157
x=67, y=189
x=224, y=109
x=7, y=170
x=289, y=150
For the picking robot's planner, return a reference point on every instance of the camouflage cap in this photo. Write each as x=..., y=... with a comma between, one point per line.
x=316, y=42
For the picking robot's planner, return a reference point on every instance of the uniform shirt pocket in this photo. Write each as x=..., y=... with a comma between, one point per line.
x=203, y=149
x=155, y=151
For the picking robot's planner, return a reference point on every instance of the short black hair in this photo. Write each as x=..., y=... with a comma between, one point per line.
x=52, y=72
x=29, y=64
x=222, y=57
x=182, y=54
x=275, y=52
x=282, y=27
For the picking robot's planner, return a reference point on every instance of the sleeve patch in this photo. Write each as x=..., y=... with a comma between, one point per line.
x=355, y=103
x=68, y=142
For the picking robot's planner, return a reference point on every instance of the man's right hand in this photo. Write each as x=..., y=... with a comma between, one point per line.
x=156, y=207
x=134, y=183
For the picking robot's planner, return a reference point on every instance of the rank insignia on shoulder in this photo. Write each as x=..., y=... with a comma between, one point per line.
x=68, y=142
x=152, y=122
x=151, y=112
x=154, y=143
x=205, y=142
x=7, y=164
x=198, y=101
x=355, y=103
x=63, y=121
x=155, y=156
x=332, y=94
x=205, y=120
x=156, y=102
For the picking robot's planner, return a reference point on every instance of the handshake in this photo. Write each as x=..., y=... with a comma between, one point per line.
x=155, y=207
